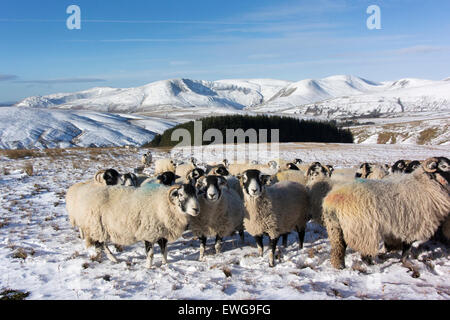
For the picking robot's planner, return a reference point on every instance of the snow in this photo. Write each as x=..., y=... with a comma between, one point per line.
x=57, y=266
x=50, y=128
x=332, y=97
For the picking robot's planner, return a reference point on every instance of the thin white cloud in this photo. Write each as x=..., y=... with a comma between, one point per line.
x=295, y=9
x=418, y=49
x=62, y=80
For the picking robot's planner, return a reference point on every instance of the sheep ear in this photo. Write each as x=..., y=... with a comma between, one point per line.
x=173, y=194
x=265, y=178
x=222, y=181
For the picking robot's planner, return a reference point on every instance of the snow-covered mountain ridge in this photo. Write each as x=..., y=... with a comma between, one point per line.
x=331, y=97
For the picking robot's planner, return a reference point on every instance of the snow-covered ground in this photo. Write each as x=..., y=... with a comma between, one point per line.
x=40, y=253
x=26, y=128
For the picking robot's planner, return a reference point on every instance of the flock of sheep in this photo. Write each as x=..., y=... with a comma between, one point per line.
x=360, y=207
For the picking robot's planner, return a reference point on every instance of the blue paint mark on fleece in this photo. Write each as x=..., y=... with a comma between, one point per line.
x=151, y=186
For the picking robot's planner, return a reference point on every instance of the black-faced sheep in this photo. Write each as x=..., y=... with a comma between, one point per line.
x=273, y=210
x=222, y=212
x=125, y=215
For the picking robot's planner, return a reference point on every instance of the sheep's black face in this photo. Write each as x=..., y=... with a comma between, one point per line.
x=195, y=174
x=364, y=170
x=413, y=165
x=399, y=166
x=315, y=170
x=211, y=187
x=112, y=177
x=291, y=166
x=330, y=169
x=222, y=171
x=185, y=198
x=443, y=168
x=253, y=182
x=130, y=179
x=298, y=161
x=167, y=178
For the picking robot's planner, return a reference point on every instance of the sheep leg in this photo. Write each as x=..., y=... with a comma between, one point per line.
x=285, y=239
x=259, y=243
x=149, y=253
x=202, y=247
x=218, y=244
x=108, y=253
x=241, y=235
x=163, y=245
x=273, y=247
x=337, y=242
x=406, y=250
x=301, y=237
x=81, y=233
x=367, y=260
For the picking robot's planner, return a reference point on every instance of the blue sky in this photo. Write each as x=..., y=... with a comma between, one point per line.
x=130, y=43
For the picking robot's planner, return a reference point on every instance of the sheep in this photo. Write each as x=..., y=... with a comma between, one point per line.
x=191, y=176
x=163, y=165
x=236, y=169
x=316, y=171
x=282, y=162
x=371, y=171
x=318, y=185
x=183, y=169
x=399, y=166
x=290, y=175
x=108, y=177
x=130, y=179
x=232, y=182
x=126, y=215
x=222, y=212
x=403, y=207
x=146, y=159
x=273, y=210
x=413, y=165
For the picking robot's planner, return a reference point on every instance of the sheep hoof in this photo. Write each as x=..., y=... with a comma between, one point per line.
x=367, y=260
x=338, y=265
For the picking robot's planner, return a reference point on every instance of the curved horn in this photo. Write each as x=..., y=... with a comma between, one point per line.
x=328, y=170
x=428, y=165
x=172, y=189
x=99, y=176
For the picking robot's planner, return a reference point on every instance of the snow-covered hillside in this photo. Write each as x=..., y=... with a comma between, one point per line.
x=332, y=97
x=46, y=128
x=163, y=95
x=390, y=99
x=40, y=253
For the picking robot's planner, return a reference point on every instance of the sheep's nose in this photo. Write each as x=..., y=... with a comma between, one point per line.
x=211, y=195
x=196, y=210
x=254, y=190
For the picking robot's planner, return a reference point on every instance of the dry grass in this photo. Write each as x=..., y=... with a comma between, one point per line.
x=22, y=253
x=28, y=169
x=9, y=294
x=427, y=135
x=385, y=137
x=21, y=153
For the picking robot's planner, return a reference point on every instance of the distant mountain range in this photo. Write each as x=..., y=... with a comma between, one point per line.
x=404, y=111
x=332, y=97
